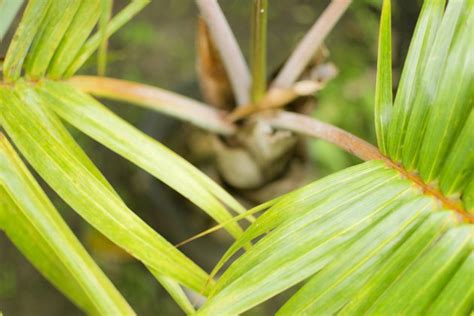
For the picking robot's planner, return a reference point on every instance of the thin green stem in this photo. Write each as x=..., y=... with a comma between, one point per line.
x=105, y=15
x=258, y=51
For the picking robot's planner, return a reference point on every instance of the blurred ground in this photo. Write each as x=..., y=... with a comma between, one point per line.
x=157, y=48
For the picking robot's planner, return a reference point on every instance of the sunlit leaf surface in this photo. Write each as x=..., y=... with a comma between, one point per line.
x=44, y=142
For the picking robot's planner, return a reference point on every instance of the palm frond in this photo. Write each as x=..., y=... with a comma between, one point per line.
x=372, y=239
x=32, y=19
x=74, y=38
x=371, y=236
x=26, y=214
x=52, y=41
x=106, y=12
x=49, y=35
x=91, y=45
x=454, y=21
x=45, y=143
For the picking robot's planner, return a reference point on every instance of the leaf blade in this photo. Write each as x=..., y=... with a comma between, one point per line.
x=93, y=43
x=50, y=33
x=416, y=125
x=383, y=87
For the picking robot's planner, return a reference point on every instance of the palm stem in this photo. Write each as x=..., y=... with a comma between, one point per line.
x=157, y=99
x=258, y=51
x=213, y=120
x=302, y=124
x=310, y=44
x=232, y=57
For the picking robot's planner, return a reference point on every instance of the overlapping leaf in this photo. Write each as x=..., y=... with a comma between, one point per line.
x=366, y=240
x=27, y=215
x=53, y=41
x=88, y=115
x=383, y=86
x=53, y=37
x=8, y=11
x=410, y=81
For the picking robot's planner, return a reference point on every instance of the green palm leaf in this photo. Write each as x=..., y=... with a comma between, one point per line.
x=383, y=87
x=32, y=19
x=93, y=42
x=50, y=33
x=52, y=41
x=410, y=81
x=353, y=245
x=371, y=239
x=53, y=37
x=436, y=140
x=26, y=214
x=74, y=38
x=454, y=19
x=43, y=145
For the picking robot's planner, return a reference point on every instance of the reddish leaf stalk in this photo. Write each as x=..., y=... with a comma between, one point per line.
x=156, y=99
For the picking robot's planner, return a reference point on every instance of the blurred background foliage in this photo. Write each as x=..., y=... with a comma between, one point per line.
x=158, y=48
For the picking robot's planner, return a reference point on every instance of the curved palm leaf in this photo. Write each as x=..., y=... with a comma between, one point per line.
x=52, y=41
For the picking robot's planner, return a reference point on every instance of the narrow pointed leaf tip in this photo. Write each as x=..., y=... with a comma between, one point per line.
x=52, y=152
x=383, y=87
